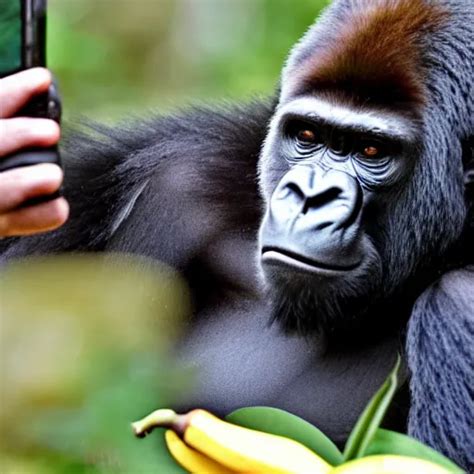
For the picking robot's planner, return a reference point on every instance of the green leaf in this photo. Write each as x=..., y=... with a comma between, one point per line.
x=371, y=418
x=390, y=442
x=282, y=423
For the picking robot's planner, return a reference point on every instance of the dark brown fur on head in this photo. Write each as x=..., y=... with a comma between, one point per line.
x=374, y=56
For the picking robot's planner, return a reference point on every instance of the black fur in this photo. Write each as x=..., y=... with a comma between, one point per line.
x=441, y=333
x=179, y=156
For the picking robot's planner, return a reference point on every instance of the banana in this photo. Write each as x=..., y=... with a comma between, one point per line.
x=237, y=448
x=193, y=461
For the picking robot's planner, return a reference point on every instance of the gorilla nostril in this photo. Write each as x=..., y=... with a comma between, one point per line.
x=321, y=199
x=295, y=189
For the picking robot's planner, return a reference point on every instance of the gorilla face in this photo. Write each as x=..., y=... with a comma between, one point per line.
x=327, y=173
x=358, y=212
x=361, y=170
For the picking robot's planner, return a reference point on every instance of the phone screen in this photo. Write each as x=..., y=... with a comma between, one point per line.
x=10, y=37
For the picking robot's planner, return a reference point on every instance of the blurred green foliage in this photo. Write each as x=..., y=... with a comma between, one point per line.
x=115, y=57
x=84, y=352
x=10, y=36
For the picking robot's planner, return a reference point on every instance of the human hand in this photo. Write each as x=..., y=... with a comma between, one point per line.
x=21, y=184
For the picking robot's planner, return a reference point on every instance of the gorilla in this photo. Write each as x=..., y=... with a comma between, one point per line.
x=321, y=231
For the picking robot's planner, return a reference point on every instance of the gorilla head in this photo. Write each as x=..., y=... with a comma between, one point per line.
x=362, y=169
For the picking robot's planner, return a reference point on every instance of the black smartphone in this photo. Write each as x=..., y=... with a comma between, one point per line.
x=23, y=46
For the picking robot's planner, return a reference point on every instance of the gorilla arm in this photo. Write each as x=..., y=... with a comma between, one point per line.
x=169, y=169
x=204, y=189
x=441, y=360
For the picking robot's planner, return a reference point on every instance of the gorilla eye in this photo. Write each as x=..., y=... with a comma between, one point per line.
x=371, y=151
x=306, y=136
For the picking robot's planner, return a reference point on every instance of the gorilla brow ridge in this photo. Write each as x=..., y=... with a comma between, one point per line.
x=373, y=56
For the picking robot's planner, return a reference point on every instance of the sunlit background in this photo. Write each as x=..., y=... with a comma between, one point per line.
x=83, y=341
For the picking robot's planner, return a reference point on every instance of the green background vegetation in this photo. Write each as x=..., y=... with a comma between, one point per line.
x=115, y=57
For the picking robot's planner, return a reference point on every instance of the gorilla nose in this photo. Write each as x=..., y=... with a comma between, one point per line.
x=315, y=213
x=313, y=198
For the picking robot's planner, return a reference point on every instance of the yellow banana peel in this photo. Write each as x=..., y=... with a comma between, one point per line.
x=237, y=448
x=190, y=459
x=246, y=450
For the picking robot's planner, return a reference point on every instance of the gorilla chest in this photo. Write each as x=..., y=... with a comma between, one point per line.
x=242, y=361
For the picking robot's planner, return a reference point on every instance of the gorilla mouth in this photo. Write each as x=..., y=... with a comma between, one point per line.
x=278, y=256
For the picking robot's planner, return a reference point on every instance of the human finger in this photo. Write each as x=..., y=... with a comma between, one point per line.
x=22, y=132
x=31, y=220
x=16, y=90
x=21, y=184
